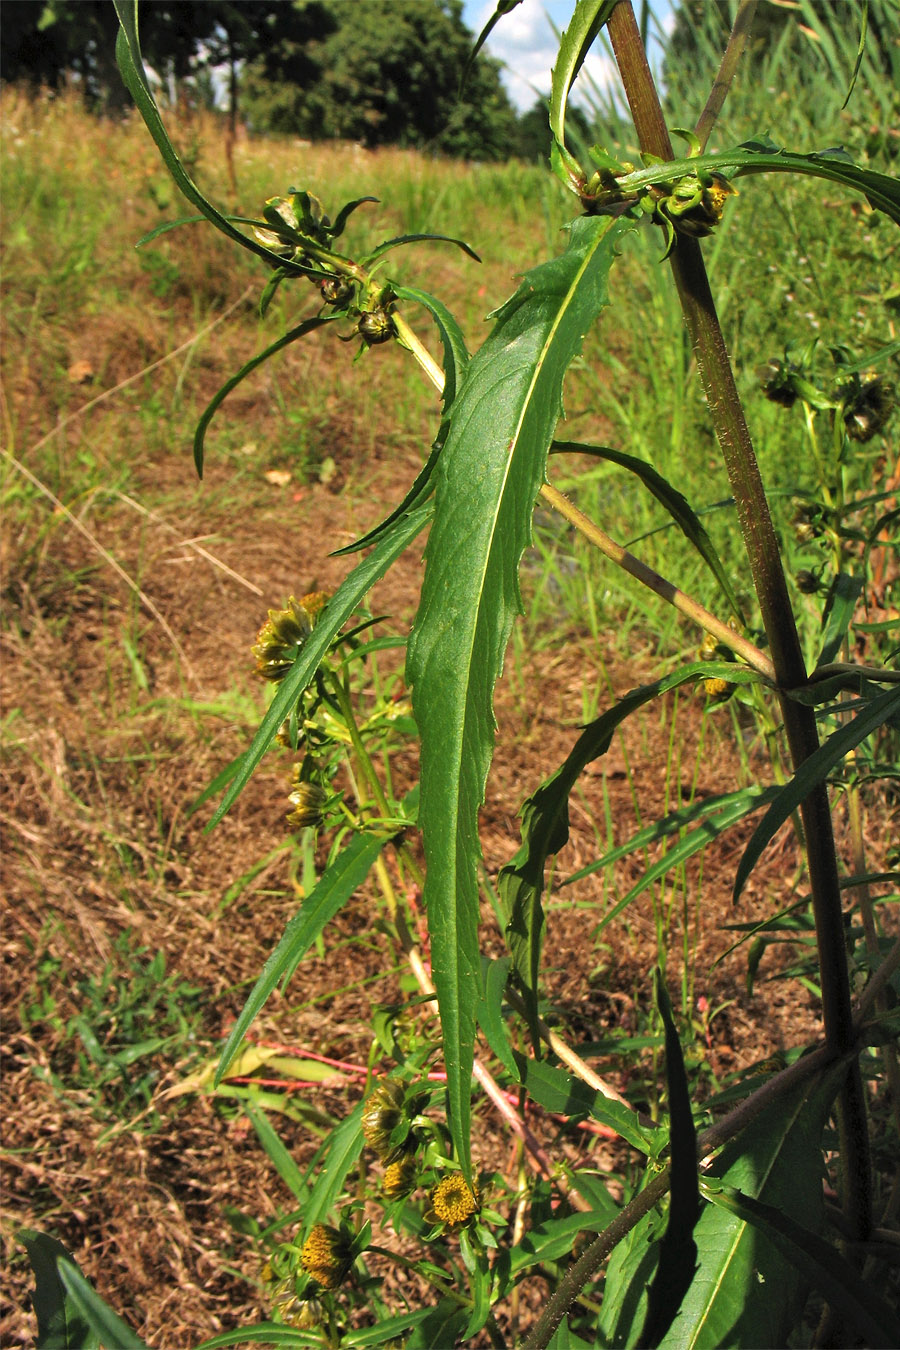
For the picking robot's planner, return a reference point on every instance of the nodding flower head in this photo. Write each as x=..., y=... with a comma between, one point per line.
x=326, y=1256
x=281, y=637
x=400, y=1177
x=308, y=801
x=868, y=405
x=453, y=1202
x=383, y=1112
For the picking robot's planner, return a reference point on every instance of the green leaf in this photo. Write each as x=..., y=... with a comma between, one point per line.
x=586, y=22
x=333, y=889
x=488, y=477
x=553, y=1240
x=131, y=67
x=839, y=610
x=677, y=505
x=564, y=1095
x=308, y=326
x=402, y=239
x=545, y=824
x=456, y=355
x=105, y=1324
x=386, y=1330
x=677, y=1249
x=743, y=1294
x=868, y=1317
x=278, y=1155
x=341, y=1151
x=812, y=772
x=270, y=1333
x=442, y=1327
x=61, y=1325
x=340, y=607
x=456, y=358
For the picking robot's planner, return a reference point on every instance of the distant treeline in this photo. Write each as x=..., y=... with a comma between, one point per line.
x=386, y=72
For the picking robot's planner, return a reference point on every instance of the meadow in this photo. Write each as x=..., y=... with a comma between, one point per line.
x=132, y=593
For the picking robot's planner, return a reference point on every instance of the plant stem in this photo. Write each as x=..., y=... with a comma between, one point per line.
x=778, y=619
x=733, y=52
x=658, y=584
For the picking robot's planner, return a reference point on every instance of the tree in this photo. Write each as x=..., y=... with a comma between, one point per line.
x=385, y=73
x=46, y=44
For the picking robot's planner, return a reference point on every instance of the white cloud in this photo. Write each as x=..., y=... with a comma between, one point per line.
x=525, y=42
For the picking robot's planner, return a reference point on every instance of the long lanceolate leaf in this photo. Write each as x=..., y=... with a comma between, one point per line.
x=333, y=889
x=131, y=67
x=812, y=772
x=332, y=619
x=293, y=335
x=586, y=22
x=545, y=823
x=677, y=505
x=488, y=477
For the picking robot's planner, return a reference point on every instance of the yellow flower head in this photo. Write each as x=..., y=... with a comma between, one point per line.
x=382, y=1114
x=279, y=640
x=326, y=1256
x=400, y=1177
x=453, y=1201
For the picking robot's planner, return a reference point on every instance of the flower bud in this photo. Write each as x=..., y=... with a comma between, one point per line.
x=400, y=1177
x=376, y=326
x=868, y=408
x=336, y=291
x=281, y=637
x=382, y=1113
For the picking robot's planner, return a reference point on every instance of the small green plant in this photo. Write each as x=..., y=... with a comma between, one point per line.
x=129, y=1013
x=717, y=1230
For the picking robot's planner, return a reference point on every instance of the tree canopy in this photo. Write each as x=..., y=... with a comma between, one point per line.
x=384, y=73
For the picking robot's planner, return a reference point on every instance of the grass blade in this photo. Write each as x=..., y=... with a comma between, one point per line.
x=348, y=871
x=278, y=1155
x=488, y=477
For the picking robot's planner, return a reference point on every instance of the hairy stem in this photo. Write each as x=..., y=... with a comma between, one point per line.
x=764, y=559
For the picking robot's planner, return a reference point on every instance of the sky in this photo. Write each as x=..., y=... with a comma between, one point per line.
x=524, y=41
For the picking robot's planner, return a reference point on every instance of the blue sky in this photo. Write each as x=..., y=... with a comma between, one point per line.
x=524, y=41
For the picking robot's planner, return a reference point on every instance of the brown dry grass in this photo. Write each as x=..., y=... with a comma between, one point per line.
x=104, y=752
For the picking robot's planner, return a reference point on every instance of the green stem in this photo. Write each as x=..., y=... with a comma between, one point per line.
x=733, y=52
x=764, y=558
